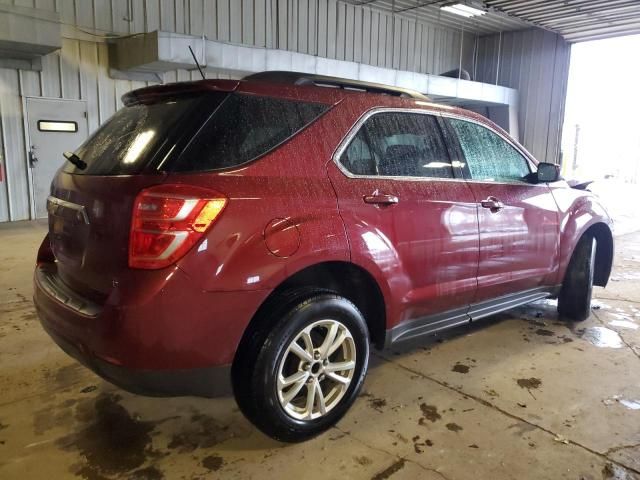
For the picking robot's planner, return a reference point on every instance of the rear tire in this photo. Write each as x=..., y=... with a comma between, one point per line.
x=574, y=300
x=299, y=351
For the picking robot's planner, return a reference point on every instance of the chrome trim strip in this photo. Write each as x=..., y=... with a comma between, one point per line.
x=491, y=307
x=70, y=205
x=519, y=184
x=423, y=326
x=356, y=128
x=437, y=113
x=51, y=284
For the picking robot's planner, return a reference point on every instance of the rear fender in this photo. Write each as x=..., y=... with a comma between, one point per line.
x=375, y=253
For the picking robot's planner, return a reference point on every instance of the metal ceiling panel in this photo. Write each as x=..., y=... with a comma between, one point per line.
x=429, y=11
x=575, y=20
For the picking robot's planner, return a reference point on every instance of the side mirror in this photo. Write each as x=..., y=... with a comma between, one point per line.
x=547, y=173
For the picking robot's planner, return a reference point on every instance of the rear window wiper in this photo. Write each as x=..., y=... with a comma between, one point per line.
x=75, y=159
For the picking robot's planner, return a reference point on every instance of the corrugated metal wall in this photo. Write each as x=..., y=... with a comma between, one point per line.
x=536, y=63
x=327, y=28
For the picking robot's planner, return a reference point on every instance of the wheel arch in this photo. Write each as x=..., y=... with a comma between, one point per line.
x=604, y=252
x=341, y=277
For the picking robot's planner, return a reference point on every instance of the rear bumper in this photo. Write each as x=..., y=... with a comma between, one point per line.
x=200, y=382
x=177, y=341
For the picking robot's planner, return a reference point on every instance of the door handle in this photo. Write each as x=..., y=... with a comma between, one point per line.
x=381, y=199
x=492, y=203
x=33, y=158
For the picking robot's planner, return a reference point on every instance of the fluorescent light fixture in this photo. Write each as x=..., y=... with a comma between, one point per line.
x=57, y=126
x=463, y=10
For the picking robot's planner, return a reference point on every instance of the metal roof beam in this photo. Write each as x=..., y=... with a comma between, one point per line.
x=635, y=22
x=597, y=21
x=590, y=36
x=604, y=7
x=568, y=6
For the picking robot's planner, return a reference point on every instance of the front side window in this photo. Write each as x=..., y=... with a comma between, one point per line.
x=488, y=156
x=398, y=144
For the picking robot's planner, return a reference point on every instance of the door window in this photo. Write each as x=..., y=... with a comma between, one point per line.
x=359, y=158
x=489, y=157
x=398, y=144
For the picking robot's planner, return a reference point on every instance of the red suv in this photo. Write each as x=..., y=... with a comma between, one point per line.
x=262, y=233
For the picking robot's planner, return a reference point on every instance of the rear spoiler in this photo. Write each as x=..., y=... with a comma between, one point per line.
x=151, y=94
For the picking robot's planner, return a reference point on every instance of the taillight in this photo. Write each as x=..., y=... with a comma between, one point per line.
x=168, y=220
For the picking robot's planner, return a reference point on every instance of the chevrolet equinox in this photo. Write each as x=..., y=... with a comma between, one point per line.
x=263, y=233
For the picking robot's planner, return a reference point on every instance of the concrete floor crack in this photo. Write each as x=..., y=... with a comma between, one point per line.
x=398, y=457
x=621, y=447
x=610, y=299
x=509, y=414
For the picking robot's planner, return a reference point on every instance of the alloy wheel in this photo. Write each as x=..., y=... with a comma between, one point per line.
x=316, y=370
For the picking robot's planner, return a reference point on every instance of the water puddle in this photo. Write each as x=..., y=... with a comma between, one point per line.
x=602, y=337
x=625, y=276
x=630, y=404
x=624, y=324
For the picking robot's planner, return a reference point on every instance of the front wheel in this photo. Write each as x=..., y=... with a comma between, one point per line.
x=574, y=300
x=306, y=369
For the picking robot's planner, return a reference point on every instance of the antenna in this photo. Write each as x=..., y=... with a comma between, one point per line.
x=196, y=60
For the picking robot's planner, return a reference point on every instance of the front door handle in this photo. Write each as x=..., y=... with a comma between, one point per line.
x=381, y=199
x=492, y=203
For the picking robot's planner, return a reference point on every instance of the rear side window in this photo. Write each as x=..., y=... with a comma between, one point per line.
x=126, y=143
x=243, y=128
x=489, y=157
x=359, y=158
x=399, y=144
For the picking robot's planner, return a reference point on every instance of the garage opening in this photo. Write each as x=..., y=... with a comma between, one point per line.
x=600, y=141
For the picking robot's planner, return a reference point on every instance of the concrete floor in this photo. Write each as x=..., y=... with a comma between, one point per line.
x=519, y=396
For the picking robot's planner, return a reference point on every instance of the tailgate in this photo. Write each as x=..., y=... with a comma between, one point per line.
x=89, y=222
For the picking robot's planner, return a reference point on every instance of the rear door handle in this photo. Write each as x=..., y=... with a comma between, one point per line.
x=381, y=199
x=492, y=203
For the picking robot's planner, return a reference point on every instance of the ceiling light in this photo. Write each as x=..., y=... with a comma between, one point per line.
x=463, y=10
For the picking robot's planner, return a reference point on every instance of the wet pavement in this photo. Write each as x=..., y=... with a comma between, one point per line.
x=520, y=395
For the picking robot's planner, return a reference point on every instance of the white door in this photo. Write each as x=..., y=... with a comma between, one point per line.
x=55, y=126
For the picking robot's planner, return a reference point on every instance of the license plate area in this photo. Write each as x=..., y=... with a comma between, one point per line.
x=68, y=230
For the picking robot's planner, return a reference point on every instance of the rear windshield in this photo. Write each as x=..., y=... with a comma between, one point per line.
x=219, y=130
x=243, y=128
x=128, y=142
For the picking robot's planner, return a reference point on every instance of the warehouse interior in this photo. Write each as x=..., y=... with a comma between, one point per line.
x=521, y=394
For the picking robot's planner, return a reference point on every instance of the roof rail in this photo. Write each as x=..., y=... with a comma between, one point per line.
x=299, y=78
